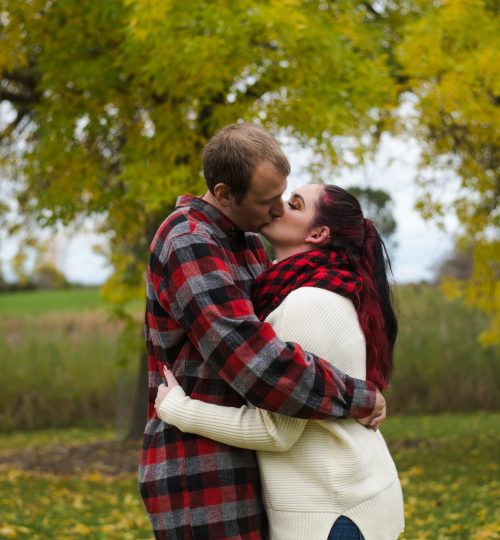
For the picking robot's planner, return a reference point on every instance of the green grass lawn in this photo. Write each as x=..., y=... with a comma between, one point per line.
x=57, y=508
x=37, y=302
x=448, y=465
x=449, y=471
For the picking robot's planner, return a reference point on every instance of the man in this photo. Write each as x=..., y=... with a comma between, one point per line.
x=200, y=324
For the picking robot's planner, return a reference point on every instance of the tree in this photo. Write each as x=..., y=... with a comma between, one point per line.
x=45, y=273
x=378, y=205
x=450, y=58
x=113, y=102
x=3, y=282
x=458, y=265
x=47, y=276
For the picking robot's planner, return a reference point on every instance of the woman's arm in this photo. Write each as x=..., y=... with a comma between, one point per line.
x=244, y=427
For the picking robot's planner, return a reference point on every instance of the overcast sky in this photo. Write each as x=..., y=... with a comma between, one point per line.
x=421, y=245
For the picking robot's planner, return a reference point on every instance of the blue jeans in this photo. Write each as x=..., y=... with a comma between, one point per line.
x=345, y=529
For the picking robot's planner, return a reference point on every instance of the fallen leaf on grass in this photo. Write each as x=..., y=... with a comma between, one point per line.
x=80, y=529
x=7, y=532
x=489, y=532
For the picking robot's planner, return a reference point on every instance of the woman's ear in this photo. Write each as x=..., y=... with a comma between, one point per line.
x=319, y=235
x=223, y=195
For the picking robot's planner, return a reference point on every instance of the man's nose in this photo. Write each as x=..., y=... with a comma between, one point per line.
x=278, y=209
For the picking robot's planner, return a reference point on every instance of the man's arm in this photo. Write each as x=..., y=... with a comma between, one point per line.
x=194, y=284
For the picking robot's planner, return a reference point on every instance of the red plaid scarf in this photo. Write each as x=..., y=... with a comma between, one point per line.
x=325, y=269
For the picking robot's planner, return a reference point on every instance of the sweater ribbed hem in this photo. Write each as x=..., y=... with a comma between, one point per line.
x=379, y=518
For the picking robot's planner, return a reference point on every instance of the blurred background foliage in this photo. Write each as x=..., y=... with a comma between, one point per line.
x=64, y=364
x=107, y=106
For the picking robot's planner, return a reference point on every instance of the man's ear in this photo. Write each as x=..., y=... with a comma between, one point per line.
x=223, y=195
x=318, y=235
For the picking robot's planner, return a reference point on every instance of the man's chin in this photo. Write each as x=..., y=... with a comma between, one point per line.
x=269, y=224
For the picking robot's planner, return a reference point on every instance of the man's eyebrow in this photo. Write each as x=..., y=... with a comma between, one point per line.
x=299, y=197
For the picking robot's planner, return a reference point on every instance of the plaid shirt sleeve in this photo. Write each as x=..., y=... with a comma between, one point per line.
x=194, y=283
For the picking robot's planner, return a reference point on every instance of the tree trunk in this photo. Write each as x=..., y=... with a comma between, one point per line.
x=138, y=415
x=139, y=412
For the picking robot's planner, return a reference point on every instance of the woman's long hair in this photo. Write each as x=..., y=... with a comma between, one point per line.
x=350, y=231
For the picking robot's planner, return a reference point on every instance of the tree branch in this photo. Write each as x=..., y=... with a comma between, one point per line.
x=22, y=99
x=371, y=9
x=25, y=78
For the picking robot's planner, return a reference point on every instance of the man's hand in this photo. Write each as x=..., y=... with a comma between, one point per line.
x=164, y=389
x=378, y=414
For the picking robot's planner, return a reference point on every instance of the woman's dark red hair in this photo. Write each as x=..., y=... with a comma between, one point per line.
x=350, y=231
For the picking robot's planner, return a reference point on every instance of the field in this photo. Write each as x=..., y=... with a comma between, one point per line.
x=67, y=368
x=439, y=365
x=66, y=361
x=448, y=465
x=37, y=302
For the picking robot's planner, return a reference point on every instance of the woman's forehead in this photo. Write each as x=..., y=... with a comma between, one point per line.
x=309, y=191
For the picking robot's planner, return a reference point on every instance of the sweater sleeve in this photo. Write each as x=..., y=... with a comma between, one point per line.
x=244, y=427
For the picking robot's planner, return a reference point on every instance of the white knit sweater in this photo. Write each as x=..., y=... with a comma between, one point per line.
x=313, y=471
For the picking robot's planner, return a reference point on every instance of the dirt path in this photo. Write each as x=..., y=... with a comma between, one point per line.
x=108, y=458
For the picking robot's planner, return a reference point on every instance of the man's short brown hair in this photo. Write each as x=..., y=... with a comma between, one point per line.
x=234, y=152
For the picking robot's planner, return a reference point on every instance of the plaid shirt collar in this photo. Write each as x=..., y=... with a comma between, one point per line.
x=221, y=225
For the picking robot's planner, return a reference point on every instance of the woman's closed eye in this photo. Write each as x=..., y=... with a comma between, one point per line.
x=293, y=206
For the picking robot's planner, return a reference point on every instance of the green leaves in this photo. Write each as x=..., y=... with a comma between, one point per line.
x=122, y=97
x=115, y=101
x=452, y=59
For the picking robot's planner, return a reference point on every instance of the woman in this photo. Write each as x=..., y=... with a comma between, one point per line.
x=321, y=479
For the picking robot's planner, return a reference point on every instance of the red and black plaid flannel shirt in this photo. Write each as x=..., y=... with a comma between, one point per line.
x=201, y=324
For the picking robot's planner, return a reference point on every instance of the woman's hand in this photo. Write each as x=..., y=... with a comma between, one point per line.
x=164, y=389
x=378, y=414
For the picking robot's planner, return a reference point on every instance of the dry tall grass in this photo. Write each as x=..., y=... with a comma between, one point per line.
x=66, y=368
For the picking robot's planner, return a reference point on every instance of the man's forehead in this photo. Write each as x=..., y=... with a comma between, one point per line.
x=268, y=185
x=269, y=190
